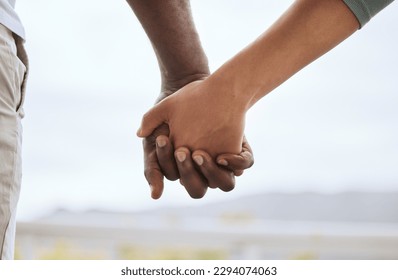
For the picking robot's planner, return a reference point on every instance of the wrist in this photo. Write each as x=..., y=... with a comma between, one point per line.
x=172, y=84
x=220, y=91
x=230, y=90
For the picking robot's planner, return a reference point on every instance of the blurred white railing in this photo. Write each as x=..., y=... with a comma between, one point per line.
x=254, y=240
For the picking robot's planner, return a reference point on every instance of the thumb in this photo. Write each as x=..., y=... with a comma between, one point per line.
x=151, y=120
x=155, y=180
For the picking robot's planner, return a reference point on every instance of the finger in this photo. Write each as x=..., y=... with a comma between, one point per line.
x=152, y=171
x=193, y=182
x=239, y=162
x=216, y=176
x=165, y=156
x=236, y=162
x=152, y=119
x=155, y=180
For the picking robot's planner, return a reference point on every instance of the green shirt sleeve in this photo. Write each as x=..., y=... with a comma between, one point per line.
x=364, y=10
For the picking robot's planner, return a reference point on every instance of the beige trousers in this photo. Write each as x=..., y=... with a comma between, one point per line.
x=13, y=73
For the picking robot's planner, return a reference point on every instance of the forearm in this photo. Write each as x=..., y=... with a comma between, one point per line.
x=307, y=30
x=171, y=30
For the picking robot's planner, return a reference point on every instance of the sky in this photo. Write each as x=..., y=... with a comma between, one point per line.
x=330, y=128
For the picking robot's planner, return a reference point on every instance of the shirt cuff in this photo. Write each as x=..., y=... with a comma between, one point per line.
x=364, y=10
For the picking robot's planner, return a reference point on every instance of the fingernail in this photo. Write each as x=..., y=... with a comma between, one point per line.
x=198, y=160
x=151, y=188
x=160, y=142
x=139, y=132
x=181, y=156
x=223, y=162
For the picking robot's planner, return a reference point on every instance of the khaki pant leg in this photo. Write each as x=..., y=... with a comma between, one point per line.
x=12, y=83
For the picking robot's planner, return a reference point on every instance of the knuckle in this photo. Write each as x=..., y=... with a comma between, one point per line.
x=197, y=194
x=170, y=170
x=228, y=184
x=213, y=185
x=228, y=188
x=196, y=190
x=172, y=176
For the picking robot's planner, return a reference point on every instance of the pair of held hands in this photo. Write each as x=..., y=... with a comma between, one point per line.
x=190, y=135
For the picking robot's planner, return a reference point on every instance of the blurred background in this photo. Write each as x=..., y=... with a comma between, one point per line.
x=324, y=184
